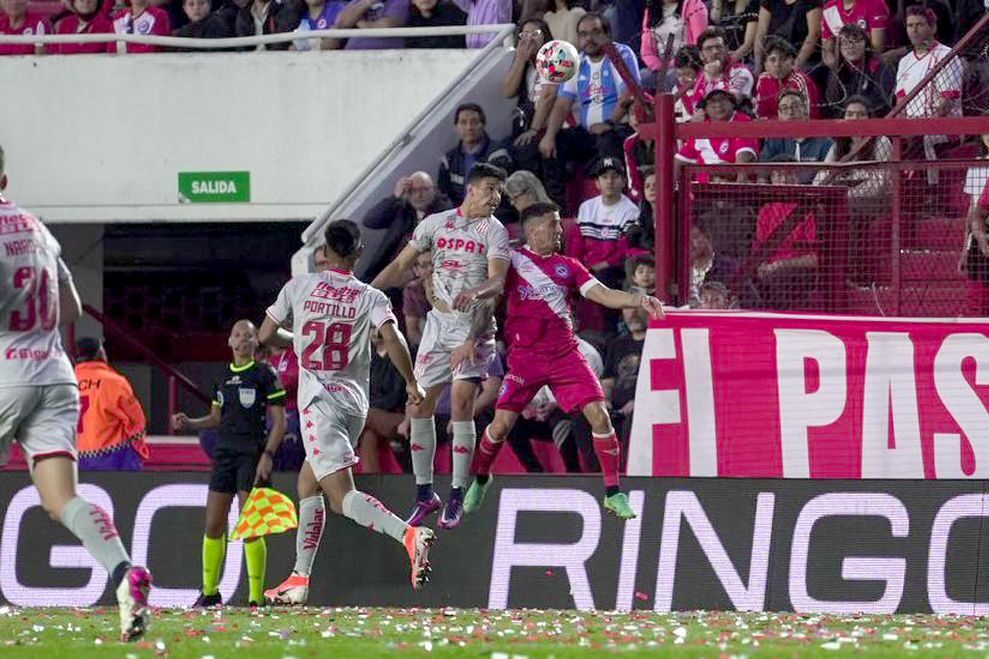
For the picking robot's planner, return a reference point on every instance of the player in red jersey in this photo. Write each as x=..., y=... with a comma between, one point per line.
x=542, y=350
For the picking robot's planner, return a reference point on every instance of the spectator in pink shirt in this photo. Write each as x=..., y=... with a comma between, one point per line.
x=17, y=20
x=86, y=18
x=681, y=21
x=144, y=19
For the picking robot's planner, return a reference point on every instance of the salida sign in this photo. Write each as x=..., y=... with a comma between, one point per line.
x=770, y=395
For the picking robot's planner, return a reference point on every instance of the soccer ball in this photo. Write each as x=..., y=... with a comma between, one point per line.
x=557, y=61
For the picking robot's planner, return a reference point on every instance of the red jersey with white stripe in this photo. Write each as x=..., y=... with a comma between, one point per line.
x=31, y=25
x=540, y=290
x=735, y=78
x=947, y=84
x=151, y=21
x=768, y=89
x=72, y=24
x=333, y=314
x=867, y=14
x=30, y=269
x=718, y=150
x=286, y=365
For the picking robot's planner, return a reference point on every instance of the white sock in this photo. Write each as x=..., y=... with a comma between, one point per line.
x=371, y=513
x=422, y=443
x=95, y=528
x=464, y=438
x=312, y=519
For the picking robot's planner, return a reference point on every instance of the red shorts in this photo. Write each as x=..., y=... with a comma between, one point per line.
x=568, y=376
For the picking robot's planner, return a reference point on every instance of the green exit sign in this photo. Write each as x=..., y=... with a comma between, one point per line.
x=214, y=187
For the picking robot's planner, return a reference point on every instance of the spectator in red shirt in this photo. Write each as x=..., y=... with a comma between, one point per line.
x=870, y=16
x=788, y=272
x=780, y=76
x=144, y=19
x=17, y=20
x=720, y=71
x=718, y=106
x=86, y=18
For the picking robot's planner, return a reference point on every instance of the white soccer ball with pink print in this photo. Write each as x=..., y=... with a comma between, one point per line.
x=557, y=61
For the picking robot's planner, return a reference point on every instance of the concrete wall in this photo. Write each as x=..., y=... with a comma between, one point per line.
x=102, y=138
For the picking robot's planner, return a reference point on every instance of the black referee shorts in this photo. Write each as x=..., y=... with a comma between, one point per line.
x=233, y=471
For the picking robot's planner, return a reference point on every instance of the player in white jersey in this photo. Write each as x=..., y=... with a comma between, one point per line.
x=470, y=254
x=333, y=315
x=39, y=397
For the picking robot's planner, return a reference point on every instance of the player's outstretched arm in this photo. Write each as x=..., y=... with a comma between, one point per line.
x=398, y=353
x=274, y=336
x=491, y=287
x=69, y=304
x=393, y=275
x=614, y=299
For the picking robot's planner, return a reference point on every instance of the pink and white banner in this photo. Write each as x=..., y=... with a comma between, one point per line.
x=790, y=396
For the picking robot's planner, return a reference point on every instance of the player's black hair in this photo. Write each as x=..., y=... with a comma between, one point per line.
x=343, y=237
x=470, y=107
x=536, y=211
x=593, y=15
x=87, y=348
x=483, y=170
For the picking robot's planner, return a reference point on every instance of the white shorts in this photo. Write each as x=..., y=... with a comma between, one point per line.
x=443, y=333
x=43, y=420
x=330, y=437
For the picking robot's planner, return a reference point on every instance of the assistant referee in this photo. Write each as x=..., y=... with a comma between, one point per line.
x=243, y=455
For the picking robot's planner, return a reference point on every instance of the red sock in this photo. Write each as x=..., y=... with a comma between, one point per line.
x=485, y=455
x=610, y=456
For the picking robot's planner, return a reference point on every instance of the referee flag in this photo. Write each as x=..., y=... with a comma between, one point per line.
x=266, y=512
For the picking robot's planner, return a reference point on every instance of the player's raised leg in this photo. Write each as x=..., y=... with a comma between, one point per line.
x=312, y=520
x=492, y=439
x=422, y=446
x=462, y=398
x=608, y=452
x=55, y=479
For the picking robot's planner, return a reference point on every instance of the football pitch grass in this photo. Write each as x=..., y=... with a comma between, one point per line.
x=296, y=633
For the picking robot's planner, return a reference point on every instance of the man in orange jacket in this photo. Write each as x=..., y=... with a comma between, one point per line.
x=112, y=425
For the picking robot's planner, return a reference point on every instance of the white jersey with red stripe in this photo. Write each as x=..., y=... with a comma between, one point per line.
x=333, y=315
x=31, y=268
x=540, y=292
x=461, y=249
x=946, y=85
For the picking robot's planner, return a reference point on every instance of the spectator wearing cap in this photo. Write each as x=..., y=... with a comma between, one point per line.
x=721, y=71
x=858, y=71
x=870, y=16
x=86, y=17
x=718, y=106
x=414, y=198
x=793, y=107
x=599, y=238
x=141, y=18
x=268, y=17
x=112, y=425
x=202, y=23
x=317, y=15
x=484, y=12
x=780, y=75
x=16, y=20
x=598, y=96
x=436, y=13
x=474, y=146
x=797, y=22
x=370, y=15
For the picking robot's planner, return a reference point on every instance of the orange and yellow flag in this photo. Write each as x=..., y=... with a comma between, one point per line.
x=265, y=512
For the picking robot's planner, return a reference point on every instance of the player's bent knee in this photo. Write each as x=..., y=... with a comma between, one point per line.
x=598, y=418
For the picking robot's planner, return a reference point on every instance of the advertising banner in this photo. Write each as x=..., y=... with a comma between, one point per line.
x=544, y=542
x=761, y=395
